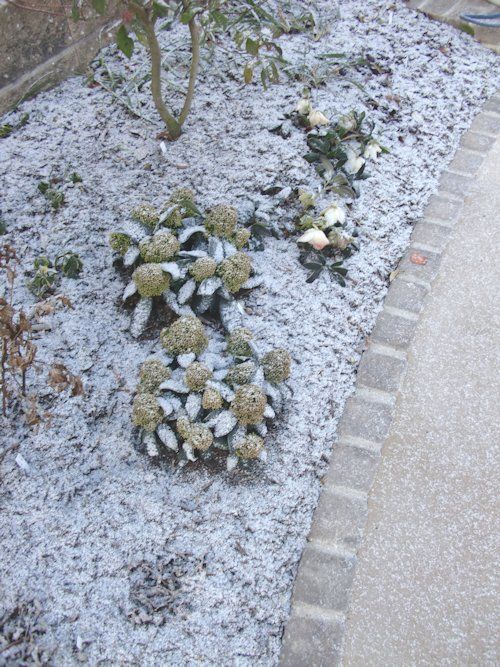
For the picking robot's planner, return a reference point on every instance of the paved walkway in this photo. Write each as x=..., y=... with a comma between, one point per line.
x=425, y=588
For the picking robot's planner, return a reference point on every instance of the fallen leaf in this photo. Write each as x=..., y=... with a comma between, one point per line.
x=417, y=258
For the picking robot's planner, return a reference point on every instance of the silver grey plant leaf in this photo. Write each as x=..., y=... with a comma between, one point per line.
x=254, y=281
x=133, y=230
x=172, y=268
x=261, y=429
x=209, y=286
x=204, y=304
x=185, y=359
x=230, y=315
x=193, y=406
x=166, y=405
x=188, y=451
x=186, y=292
x=226, y=421
x=229, y=248
x=129, y=291
x=130, y=256
x=215, y=249
x=195, y=254
x=186, y=234
x=269, y=412
x=226, y=392
x=141, y=316
x=175, y=385
x=149, y=442
x=167, y=436
x=231, y=462
x=220, y=374
x=171, y=301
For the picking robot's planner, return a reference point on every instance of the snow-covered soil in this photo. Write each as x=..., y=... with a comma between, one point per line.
x=129, y=562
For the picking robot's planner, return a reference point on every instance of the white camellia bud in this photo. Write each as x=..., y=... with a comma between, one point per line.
x=354, y=162
x=372, y=150
x=304, y=106
x=333, y=214
x=317, y=118
x=314, y=237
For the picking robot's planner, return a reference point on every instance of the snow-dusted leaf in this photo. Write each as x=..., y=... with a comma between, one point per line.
x=171, y=301
x=236, y=436
x=129, y=290
x=212, y=417
x=269, y=412
x=185, y=359
x=140, y=317
x=229, y=248
x=175, y=385
x=203, y=303
x=226, y=421
x=172, y=268
x=254, y=281
x=263, y=456
x=209, y=286
x=149, y=442
x=192, y=253
x=186, y=291
x=215, y=249
x=230, y=315
x=166, y=405
x=130, y=256
x=166, y=214
x=188, y=451
x=226, y=392
x=167, y=436
x=231, y=463
x=216, y=361
x=220, y=374
x=261, y=429
x=193, y=406
x=134, y=230
x=258, y=378
x=187, y=233
x=275, y=396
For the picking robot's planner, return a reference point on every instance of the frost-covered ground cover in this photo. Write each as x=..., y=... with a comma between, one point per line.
x=131, y=563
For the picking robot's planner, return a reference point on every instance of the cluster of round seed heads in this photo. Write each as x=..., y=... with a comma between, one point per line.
x=146, y=412
x=200, y=437
x=150, y=280
x=119, y=242
x=212, y=399
x=202, y=268
x=235, y=271
x=153, y=373
x=249, y=403
x=183, y=336
x=238, y=342
x=241, y=237
x=197, y=376
x=159, y=248
x=250, y=446
x=276, y=365
x=241, y=373
x=146, y=215
x=221, y=221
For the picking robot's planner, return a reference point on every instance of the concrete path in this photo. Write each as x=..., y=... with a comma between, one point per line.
x=425, y=588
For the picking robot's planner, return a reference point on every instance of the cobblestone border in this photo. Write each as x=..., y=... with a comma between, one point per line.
x=449, y=11
x=314, y=632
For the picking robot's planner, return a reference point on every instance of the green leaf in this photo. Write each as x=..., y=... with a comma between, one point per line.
x=70, y=264
x=99, y=6
x=43, y=187
x=124, y=42
x=252, y=47
x=3, y=228
x=75, y=11
x=248, y=74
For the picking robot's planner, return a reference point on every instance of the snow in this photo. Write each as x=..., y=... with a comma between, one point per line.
x=89, y=519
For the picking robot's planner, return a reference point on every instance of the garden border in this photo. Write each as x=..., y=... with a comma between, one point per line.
x=314, y=632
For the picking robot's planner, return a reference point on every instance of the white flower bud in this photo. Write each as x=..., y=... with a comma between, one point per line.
x=314, y=237
x=317, y=118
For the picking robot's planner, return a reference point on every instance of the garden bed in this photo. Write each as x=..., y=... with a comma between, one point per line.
x=133, y=562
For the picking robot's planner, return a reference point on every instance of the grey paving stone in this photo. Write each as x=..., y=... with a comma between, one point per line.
x=440, y=208
x=455, y=184
x=380, y=371
x=351, y=466
x=466, y=162
x=366, y=420
x=339, y=519
x=412, y=263
x=493, y=104
x=406, y=295
x=486, y=124
x=393, y=330
x=476, y=142
x=324, y=578
x=431, y=234
x=311, y=641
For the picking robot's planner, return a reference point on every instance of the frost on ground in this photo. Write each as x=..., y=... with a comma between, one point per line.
x=135, y=564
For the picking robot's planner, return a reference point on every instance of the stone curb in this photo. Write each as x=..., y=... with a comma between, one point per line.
x=313, y=635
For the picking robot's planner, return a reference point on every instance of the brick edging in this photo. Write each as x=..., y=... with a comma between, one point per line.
x=314, y=632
